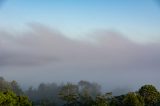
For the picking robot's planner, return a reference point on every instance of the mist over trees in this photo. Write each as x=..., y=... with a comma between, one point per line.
x=13, y=85
x=83, y=93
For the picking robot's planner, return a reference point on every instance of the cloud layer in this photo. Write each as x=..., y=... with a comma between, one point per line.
x=48, y=54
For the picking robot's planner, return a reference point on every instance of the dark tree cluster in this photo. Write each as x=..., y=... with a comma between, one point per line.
x=83, y=93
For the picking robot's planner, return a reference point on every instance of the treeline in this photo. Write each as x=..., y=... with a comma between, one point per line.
x=52, y=94
x=83, y=93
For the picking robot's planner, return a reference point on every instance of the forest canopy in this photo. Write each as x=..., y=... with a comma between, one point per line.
x=83, y=93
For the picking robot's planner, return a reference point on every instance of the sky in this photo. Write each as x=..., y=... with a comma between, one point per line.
x=137, y=19
x=113, y=42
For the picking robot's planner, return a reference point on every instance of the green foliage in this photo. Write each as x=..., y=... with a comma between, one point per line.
x=69, y=94
x=101, y=101
x=114, y=102
x=82, y=94
x=150, y=94
x=85, y=99
x=8, y=98
x=133, y=99
x=23, y=101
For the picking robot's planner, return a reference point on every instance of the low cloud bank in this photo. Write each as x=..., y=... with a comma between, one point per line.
x=48, y=54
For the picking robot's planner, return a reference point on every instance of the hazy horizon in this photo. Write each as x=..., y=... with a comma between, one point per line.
x=114, y=43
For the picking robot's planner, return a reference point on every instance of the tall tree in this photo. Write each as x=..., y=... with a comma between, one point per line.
x=15, y=87
x=4, y=85
x=91, y=89
x=150, y=94
x=133, y=99
x=69, y=94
